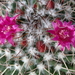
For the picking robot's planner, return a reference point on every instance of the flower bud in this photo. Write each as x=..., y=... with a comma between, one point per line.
x=41, y=46
x=50, y=4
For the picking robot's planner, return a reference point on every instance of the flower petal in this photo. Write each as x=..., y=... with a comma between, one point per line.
x=10, y=40
x=59, y=23
x=68, y=46
x=55, y=39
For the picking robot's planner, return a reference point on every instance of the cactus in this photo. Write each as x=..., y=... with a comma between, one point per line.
x=35, y=53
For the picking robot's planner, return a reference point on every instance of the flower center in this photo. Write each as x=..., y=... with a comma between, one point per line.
x=64, y=34
x=6, y=29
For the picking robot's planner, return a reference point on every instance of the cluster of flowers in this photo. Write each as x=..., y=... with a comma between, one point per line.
x=64, y=33
x=42, y=34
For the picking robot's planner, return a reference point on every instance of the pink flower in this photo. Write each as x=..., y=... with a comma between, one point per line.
x=64, y=33
x=8, y=28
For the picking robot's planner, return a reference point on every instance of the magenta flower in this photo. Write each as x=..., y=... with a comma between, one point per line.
x=8, y=28
x=64, y=33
